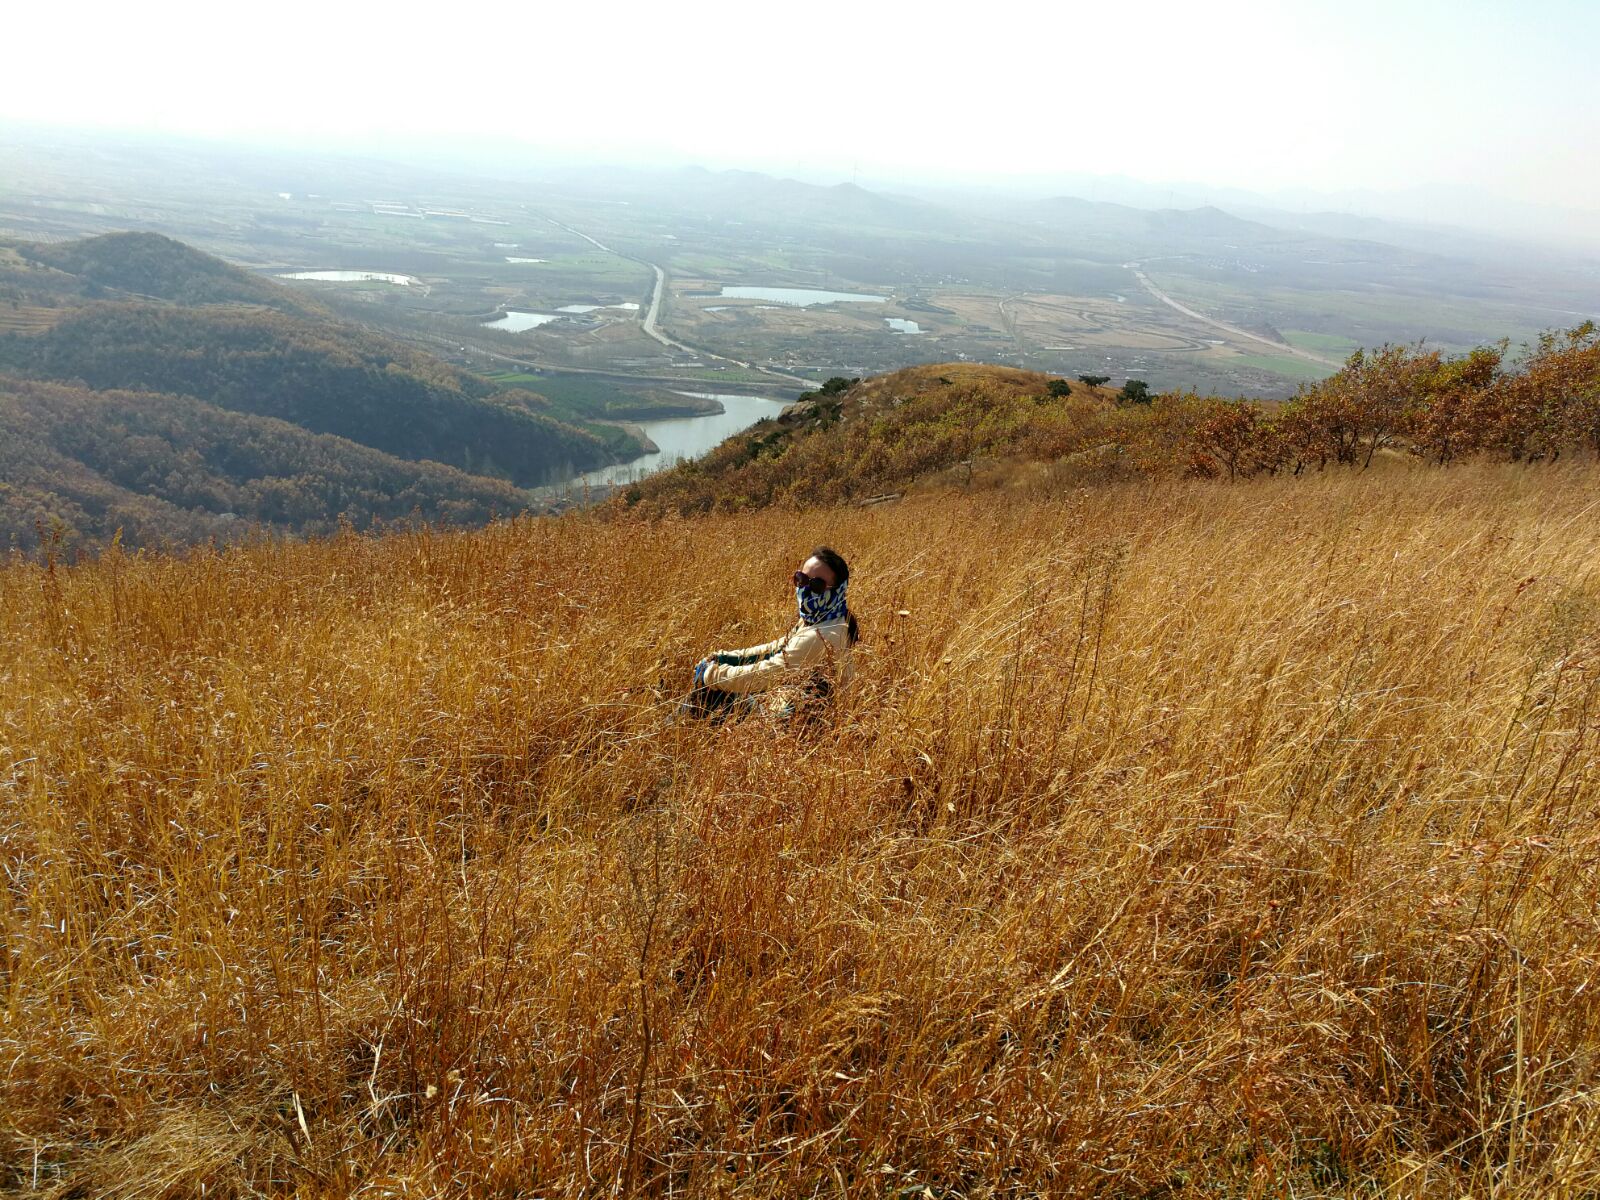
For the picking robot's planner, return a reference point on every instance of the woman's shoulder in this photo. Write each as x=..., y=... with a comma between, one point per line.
x=835, y=634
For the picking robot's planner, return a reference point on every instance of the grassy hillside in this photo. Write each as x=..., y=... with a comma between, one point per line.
x=885, y=435
x=1175, y=840
x=970, y=425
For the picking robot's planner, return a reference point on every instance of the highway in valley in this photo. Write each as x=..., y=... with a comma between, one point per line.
x=650, y=317
x=1280, y=347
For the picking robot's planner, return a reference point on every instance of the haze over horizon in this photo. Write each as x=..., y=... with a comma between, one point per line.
x=1467, y=113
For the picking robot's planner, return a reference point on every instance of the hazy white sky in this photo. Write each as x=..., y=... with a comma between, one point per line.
x=1320, y=94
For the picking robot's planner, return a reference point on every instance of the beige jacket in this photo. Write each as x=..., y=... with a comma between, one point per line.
x=791, y=659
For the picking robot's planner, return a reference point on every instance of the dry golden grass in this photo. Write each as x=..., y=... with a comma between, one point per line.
x=1184, y=840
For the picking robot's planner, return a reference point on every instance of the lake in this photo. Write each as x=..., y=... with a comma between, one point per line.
x=901, y=325
x=354, y=277
x=684, y=437
x=509, y=258
x=588, y=308
x=800, y=297
x=515, y=322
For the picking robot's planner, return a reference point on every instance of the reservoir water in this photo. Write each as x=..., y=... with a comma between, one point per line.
x=682, y=438
x=800, y=297
x=354, y=277
x=515, y=322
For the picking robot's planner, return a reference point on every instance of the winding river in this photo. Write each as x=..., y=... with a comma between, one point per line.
x=681, y=438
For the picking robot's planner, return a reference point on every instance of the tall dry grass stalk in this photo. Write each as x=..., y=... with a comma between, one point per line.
x=1183, y=840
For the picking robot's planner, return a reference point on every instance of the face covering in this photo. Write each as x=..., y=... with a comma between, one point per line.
x=818, y=607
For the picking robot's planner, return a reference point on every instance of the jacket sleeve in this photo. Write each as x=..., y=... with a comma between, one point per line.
x=796, y=652
x=750, y=654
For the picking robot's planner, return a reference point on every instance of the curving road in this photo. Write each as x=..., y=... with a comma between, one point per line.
x=648, y=320
x=1281, y=347
x=555, y=368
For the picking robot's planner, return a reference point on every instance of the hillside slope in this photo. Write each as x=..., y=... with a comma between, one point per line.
x=323, y=376
x=973, y=426
x=1173, y=840
x=84, y=466
x=139, y=312
x=156, y=267
x=885, y=435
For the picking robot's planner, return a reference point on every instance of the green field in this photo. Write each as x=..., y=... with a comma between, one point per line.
x=1368, y=317
x=575, y=395
x=1294, y=368
x=588, y=398
x=734, y=375
x=1328, y=344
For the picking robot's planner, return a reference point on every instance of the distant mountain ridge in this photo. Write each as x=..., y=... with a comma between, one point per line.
x=1206, y=229
x=1085, y=222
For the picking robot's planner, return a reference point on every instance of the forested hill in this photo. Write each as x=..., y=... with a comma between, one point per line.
x=208, y=356
x=82, y=465
x=326, y=377
x=147, y=265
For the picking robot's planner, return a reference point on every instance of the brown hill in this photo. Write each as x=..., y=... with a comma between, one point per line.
x=920, y=427
x=960, y=424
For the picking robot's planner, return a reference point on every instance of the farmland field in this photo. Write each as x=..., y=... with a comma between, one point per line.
x=1047, y=286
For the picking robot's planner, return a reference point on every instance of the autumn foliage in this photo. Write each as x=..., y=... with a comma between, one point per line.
x=1433, y=406
x=944, y=424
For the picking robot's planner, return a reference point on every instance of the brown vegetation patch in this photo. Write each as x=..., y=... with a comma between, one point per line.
x=1175, y=839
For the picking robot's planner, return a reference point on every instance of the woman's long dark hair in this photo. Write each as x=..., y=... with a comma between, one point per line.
x=834, y=561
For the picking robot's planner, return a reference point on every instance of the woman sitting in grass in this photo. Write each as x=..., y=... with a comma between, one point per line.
x=805, y=664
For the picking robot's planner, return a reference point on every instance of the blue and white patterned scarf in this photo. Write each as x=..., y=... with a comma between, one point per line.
x=817, y=608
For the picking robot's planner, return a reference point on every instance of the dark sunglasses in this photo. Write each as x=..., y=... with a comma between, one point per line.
x=811, y=583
